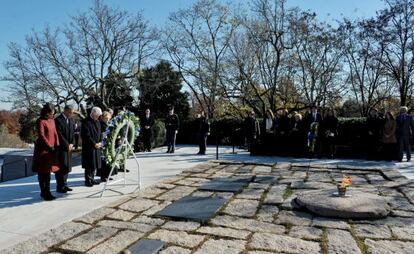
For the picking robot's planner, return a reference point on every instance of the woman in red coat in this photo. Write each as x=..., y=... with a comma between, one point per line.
x=45, y=158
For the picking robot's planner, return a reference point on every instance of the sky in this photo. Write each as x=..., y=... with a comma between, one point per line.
x=19, y=17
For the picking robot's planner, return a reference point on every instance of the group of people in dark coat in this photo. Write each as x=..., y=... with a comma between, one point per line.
x=312, y=135
x=388, y=137
x=57, y=140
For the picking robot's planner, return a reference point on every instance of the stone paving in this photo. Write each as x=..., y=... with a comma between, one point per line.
x=258, y=219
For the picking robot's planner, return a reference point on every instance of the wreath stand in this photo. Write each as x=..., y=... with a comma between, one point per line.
x=125, y=148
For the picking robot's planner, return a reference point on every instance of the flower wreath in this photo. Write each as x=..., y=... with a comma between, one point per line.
x=113, y=135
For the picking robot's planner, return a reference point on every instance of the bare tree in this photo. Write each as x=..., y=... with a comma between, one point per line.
x=197, y=40
x=395, y=27
x=70, y=64
x=317, y=59
x=364, y=56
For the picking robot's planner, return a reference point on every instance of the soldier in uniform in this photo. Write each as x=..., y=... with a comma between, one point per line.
x=172, y=124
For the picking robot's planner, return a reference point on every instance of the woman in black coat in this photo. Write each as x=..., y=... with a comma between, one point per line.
x=328, y=133
x=297, y=136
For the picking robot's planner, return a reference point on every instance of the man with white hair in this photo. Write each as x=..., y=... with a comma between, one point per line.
x=91, y=145
x=405, y=131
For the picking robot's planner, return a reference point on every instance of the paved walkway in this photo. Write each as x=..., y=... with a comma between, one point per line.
x=259, y=218
x=23, y=214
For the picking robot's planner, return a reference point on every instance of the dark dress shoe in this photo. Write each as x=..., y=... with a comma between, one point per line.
x=96, y=182
x=61, y=190
x=68, y=189
x=89, y=184
x=47, y=197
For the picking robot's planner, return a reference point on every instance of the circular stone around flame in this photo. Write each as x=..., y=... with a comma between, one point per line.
x=360, y=205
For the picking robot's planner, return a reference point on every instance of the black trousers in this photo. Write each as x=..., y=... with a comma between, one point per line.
x=146, y=139
x=89, y=175
x=44, y=183
x=404, y=145
x=61, y=179
x=171, y=140
x=202, y=142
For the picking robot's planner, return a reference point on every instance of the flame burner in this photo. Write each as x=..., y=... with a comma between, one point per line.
x=353, y=204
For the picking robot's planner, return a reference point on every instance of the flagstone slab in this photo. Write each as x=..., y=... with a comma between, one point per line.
x=229, y=184
x=199, y=209
x=146, y=246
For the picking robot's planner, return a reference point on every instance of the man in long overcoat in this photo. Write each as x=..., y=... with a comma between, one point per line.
x=405, y=132
x=203, y=131
x=65, y=129
x=91, y=145
x=147, y=121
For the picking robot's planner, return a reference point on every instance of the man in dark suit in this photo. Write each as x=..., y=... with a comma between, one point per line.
x=203, y=131
x=91, y=145
x=65, y=129
x=147, y=122
x=405, y=131
x=172, y=124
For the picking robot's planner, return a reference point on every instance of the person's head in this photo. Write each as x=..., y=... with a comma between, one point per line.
x=147, y=112
x=202, y=113
x=48, y=111
x=171, y=111
x=106, y=116
x=389, y=115
x=68, y=111
x=314, y=109
x=252, y=114
x=269, y=113
x=96, y=112
x=403, y=109
x=330, y=112
x=111, y=111
x=373, y=112
x=298, y=117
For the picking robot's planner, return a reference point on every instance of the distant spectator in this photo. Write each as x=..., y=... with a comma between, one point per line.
x=312, y=120
x=172, y=124
x=373, y=134
x=389, y=138
x=45, y=159
x=405, y=131
x=252, y=130
x=147, y=122
x=282, y=125
x=297, y=136
x=203, y=131
x=329, y=133
x=268, y=132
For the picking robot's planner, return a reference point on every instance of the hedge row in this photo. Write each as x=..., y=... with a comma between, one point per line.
x=230, y=132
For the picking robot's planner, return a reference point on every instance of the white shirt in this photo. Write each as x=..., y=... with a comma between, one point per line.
x=269, y=123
